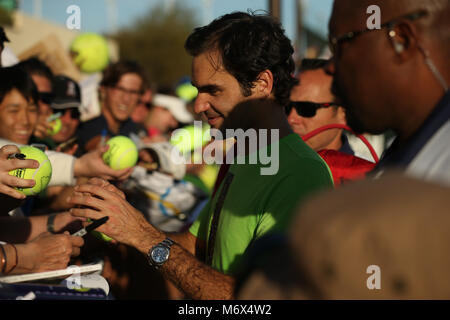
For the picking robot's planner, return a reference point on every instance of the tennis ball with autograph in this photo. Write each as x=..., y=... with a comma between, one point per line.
x=41, y=175
x=122, y=153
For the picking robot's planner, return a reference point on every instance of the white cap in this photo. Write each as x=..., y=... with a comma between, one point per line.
x=176, y=106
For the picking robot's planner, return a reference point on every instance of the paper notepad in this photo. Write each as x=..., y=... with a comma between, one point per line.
x=52, y=274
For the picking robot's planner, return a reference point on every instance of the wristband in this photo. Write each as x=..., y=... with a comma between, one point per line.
x=50, y=223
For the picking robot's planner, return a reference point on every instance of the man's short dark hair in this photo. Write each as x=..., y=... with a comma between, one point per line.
x=34, y=66
x=115, y=71
x=16, y=78
x=313, y=64
x=248, y=44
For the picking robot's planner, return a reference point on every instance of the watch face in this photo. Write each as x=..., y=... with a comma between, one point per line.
x=160, y=254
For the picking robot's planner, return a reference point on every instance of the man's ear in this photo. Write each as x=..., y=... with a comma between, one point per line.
x=404, y=40
x=264, y=84
x=341, y=115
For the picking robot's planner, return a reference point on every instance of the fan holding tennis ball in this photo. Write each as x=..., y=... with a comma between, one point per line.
x=55, y=122
x=41, y=175
x=56, y=127
x=122, y=153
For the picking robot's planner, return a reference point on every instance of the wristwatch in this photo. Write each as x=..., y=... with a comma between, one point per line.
x=159, y=254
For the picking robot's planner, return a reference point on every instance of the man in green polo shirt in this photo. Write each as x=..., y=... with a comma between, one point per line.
x=242, y=67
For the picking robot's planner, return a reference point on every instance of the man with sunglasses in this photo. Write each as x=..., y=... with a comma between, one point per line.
x=397, y=77
x=66, y=104
x=311, y=106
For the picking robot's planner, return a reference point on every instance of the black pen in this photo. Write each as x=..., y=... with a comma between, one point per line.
x=89, y=228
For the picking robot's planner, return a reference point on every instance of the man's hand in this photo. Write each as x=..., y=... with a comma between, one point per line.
x=9, y=182
x=42, y=127
x=91, y=165
x=98, y=198
x=48, y=252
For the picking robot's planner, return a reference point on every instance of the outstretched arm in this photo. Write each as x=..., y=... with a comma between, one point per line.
x=128, y=225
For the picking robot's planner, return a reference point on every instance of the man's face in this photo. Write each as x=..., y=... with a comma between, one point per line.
x=315, y=86
x=121, y=100
x=218, y=91
x=68, y=128
x=364, y=80
x=44, y=86
x=18, y=117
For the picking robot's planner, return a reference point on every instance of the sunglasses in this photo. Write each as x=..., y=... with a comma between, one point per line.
x=307, y=109
x=46, y=97
x=74, y=112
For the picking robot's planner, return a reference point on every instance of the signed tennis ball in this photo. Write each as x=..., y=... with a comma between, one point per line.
x=91, y=52
x=56, y=127
x=122, y=153
x=41, y=175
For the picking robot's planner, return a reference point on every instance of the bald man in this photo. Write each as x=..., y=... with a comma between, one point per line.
x=397, y=78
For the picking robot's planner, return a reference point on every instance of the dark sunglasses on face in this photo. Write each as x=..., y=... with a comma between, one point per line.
x=307, y=109
x=46, y=97
x=74, y=112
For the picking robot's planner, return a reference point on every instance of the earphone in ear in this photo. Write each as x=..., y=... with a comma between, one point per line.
x=398, y=46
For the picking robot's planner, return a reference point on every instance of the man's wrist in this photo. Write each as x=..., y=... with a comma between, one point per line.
x=148, y=239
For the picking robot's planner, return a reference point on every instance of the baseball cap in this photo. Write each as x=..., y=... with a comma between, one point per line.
x=67, y=93
x=176, y=106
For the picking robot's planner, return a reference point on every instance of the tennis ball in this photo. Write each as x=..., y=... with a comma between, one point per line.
x=187, y=92
x=41, y=175
x=91, y=52
x=56, y=127
x=101, y=236
x=122, y=153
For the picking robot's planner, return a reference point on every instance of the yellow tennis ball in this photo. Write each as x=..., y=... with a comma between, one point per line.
x=100, y=235
x=41, y=175
x=91, y=52
x=122, y=153
x=56, y=127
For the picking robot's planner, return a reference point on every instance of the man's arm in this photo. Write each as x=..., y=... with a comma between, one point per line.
x=20, y=230
x=127, y=225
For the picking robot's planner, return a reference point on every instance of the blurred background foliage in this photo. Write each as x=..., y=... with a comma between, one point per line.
x=156, y=40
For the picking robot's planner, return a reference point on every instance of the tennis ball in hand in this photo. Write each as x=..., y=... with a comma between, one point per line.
x=41, y=175
x=100, y=235
x=122, y=153
x=56, y=127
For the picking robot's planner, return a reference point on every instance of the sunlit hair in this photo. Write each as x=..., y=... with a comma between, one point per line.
x=248, y=44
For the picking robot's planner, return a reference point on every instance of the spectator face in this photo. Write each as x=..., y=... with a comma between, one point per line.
x=17, y=117
x=315, y=87
x=364, y=74
x=44, y=87
x=121, y=100
x=141, y=111
x=70, y=122
x=218, y=90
